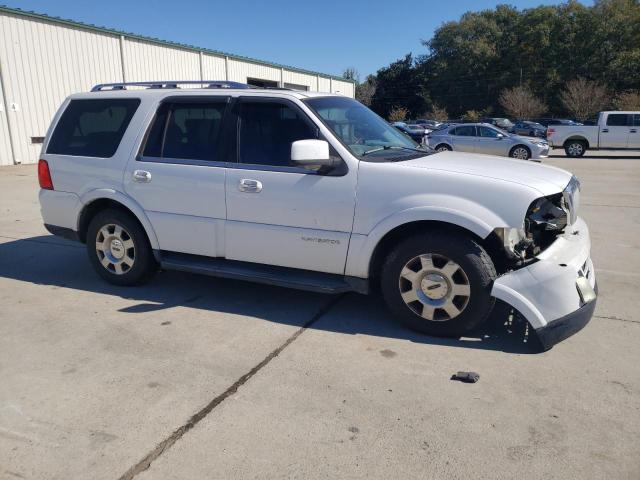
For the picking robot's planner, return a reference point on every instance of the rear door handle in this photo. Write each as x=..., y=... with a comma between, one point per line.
x=604, y=130
x=633, y=131
x=141, y=176
x=250, y=186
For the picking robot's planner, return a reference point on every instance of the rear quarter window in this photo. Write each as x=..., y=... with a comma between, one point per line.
x=92, y=128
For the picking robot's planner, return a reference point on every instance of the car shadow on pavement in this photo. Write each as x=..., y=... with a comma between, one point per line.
x=51, y=261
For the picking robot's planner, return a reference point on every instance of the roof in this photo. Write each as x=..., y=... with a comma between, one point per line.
x=157, y=41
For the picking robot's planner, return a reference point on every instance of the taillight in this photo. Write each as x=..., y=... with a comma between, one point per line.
x=44, y=176
x=550, y=131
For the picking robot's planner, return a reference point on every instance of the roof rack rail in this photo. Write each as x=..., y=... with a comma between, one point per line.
x=169, y=84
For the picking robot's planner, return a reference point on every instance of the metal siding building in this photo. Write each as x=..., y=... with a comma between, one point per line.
x=44, y=59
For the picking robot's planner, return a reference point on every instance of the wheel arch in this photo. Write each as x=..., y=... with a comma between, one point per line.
x=576, y=137
x=367, y=251
x=491, y=243
x=99, y=200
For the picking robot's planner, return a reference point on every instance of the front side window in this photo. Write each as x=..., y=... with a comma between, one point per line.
x=187, y=130
x=636, y=120
x=92, y=128
x=465, y=131
x=618, y=120
x=360, y=130
x=267, y=130
x=487, y=132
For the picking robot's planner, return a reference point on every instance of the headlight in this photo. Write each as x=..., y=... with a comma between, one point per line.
x=571, y=199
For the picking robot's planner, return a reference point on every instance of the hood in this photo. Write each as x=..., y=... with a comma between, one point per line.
x=546, y=179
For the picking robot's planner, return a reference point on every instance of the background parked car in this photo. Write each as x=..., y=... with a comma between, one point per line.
x=532, y=129
x=503, y=123
x=545, y=122
x=485, y=138
x=416, y=132
x=429, y=124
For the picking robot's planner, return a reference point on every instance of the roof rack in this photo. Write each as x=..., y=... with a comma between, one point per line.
x=169, y=84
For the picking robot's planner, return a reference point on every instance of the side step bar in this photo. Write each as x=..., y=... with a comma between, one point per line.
x=272, y=275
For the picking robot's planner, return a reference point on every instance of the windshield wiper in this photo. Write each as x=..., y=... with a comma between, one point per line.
x=392, y=147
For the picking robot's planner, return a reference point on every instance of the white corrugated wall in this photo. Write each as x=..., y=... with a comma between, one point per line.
x=43, y=61
x=41, y=64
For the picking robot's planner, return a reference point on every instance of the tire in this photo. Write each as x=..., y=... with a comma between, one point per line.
x=520, y=152
x=443, y=147
x=415, y=268
x=119, y=249
x=575, y=148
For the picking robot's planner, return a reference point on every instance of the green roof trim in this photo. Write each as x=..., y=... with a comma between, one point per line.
x=193, y=48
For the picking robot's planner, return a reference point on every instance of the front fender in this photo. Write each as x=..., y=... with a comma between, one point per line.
x=112, y=194
x=361, y=247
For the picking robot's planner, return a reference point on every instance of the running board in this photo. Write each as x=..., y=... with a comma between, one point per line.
x=269, y=274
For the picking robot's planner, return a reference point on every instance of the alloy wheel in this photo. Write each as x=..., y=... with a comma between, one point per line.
x=115, y=248
x=434, y=287
x=520, y=153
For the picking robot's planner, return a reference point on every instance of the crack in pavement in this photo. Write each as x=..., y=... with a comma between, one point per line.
x=617, y=318
x=168, y=442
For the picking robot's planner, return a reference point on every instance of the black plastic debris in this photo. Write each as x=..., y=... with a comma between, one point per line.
x=466, y=377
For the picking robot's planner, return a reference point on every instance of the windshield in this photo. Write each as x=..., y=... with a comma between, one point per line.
x=361, y=130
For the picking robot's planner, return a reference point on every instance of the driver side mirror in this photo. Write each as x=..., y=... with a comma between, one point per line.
x=500, y=136
x=311, y=154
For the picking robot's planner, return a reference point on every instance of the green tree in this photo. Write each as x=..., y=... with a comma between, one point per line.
x=400, y=85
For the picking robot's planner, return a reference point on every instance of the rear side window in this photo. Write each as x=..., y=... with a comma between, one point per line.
x=618, y=120
x=466, y=131
x=187, y=130
x=92, y=128
x=636, y=120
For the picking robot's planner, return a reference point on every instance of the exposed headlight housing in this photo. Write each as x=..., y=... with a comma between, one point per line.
x=571, y=199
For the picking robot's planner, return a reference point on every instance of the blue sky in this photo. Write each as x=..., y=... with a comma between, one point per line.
x=325, y=36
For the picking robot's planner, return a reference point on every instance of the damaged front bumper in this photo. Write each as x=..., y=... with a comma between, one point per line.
x=557, y=293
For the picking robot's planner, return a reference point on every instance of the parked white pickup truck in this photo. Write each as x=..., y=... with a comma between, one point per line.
x=613, y=130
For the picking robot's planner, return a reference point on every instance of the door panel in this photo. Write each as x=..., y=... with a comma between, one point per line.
x=616, y=132
x=464, y=139
x=180, y=179
x=184, y=203
x=297, y=220
x=489, y=143
x=286, y=216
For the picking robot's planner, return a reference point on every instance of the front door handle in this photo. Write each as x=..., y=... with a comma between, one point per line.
x=250, y=186
x=141, y=176
x=604, y=130
x=633, y=130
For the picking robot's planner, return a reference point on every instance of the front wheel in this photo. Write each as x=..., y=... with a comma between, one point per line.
x=439, y=283
x=521, y=152
x=575, y=148
x=443, y=147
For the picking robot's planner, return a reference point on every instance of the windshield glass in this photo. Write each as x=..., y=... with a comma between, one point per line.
x=361, y=130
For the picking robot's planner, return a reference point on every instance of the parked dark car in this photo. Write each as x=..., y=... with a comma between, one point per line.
x=416, y=132
x=430, y=124
x=500, y=122
x=553, y=121
x=531, y=129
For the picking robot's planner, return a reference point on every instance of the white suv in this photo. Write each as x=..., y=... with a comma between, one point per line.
x=313, y=191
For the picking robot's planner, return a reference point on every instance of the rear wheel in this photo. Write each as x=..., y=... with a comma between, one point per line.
x=521, y=152
x=119, y=249
x=439, y=283
x=575, y=148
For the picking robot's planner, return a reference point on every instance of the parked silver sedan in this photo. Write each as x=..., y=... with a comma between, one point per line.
x=485, y=138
